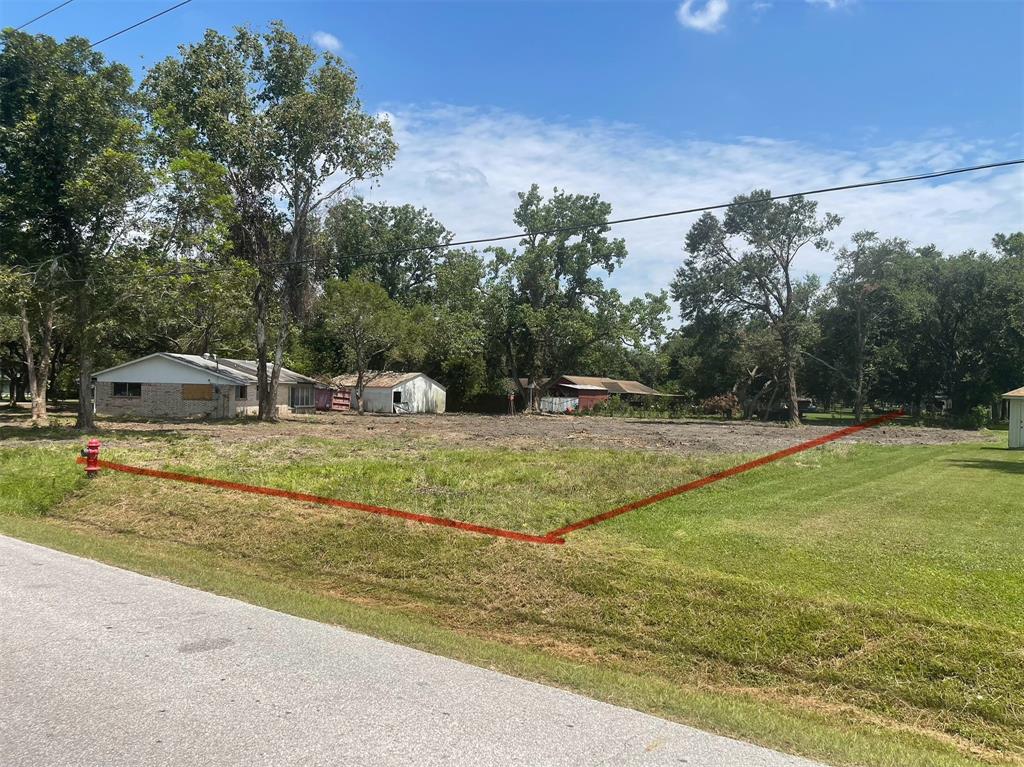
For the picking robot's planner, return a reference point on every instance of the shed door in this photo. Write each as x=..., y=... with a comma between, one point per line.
x=1017, y=423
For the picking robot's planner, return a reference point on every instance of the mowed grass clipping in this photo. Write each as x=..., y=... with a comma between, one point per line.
x=530, y=491
x=857, y=604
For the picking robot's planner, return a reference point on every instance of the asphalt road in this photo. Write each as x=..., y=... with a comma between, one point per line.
x=100, y=666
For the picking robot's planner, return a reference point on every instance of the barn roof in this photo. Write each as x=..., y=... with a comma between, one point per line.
x=600, y=384
x=379, y=379
x=1015, y=394
x=611, y=385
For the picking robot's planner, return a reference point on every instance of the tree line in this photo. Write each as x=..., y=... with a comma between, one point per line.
x=210, y=208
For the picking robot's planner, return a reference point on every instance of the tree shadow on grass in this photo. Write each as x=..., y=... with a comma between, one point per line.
x=1009, y=466
x=70, y=434
x=16, y=425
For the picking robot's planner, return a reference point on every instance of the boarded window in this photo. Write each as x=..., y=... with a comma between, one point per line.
x=202, y=392
x=123, y=389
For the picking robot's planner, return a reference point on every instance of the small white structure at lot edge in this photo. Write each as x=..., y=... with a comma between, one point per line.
x=1016, y=400
x=387, y=392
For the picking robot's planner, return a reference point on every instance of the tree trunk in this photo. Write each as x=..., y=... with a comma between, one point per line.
x=791, y=353
x=83, y=314
x=86, y=418
x=794, y=405
x=14, y=373
x=770, y=404
x=18, y=387
x=275, y=371
x=858, y=398
x=38, y=370
x=262, y=388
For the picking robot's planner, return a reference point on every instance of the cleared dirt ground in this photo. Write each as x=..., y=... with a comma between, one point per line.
x=547, y=432
x=859, y=604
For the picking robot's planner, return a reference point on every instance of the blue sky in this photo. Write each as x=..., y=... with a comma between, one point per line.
x=658, y=105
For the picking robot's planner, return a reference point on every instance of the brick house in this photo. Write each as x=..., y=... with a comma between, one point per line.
x=188, y=385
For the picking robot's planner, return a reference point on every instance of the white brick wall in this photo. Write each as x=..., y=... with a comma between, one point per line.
x=165, y=401
x=161, y=400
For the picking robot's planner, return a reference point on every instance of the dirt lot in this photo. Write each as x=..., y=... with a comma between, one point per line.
x=545, y=432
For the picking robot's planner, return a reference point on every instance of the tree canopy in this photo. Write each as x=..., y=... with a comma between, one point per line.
x=217, y=208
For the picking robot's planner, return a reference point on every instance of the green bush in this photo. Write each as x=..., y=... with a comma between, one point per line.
x=978, y=417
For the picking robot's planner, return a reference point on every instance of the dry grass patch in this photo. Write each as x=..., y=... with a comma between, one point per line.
x=848, y=585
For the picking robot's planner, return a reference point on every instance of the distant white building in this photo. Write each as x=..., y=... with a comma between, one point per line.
x=165, y=385
x=387, y=392
x=1015, y=399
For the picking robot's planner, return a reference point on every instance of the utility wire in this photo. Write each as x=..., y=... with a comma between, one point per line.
x=140, y=23
x=14, y=80
x=599, y=224
x=41, y=15
x=631, y=219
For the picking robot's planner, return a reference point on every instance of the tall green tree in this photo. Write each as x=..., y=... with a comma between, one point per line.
x=864, y=295
x=636, y=352
x=743, y=266
x=399, y=247
x=454, y=326
x=1008, y=366
x=545, y=306
x=284, y=123
x=71, y=171
x=373, y=331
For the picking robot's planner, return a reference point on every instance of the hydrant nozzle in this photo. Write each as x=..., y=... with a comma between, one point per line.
x=91, y=454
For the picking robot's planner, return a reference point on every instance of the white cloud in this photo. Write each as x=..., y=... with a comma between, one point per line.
x=830, y=4
x=466, y=166
x=327, y=41
x=706, y=18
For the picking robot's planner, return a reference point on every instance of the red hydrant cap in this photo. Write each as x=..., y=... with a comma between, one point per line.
x=94, y=443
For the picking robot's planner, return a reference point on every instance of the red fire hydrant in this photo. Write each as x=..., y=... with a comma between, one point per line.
x=91, y=454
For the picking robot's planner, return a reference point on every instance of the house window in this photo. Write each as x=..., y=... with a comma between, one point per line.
x=242, y=393
x=122, y=389
x=396, y=396
x=301, y=397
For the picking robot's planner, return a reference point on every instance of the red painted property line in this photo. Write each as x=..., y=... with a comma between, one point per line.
x=382, y=510
x=711, y=478
x=553, y=537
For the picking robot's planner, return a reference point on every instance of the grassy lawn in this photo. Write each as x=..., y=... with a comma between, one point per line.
x=526, y=490
x=858, y=604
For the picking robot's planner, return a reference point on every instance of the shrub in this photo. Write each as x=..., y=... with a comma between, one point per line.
x=726, y=405
x=978, y=417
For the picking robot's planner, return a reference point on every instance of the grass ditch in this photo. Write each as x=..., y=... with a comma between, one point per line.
x=526, y=490
x=858, y=604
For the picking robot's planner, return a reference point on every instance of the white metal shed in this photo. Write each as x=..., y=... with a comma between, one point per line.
x=388, y=392
x=1016, y=400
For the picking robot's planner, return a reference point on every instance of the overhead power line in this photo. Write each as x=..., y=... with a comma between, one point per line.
x=14, y=80
x=612, y=222
x=629, y=220
x=140, y=23
x=42, y=15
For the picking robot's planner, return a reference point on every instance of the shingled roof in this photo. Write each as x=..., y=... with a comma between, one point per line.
x=241, y=372
x=601, y=384
x=385, y=379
